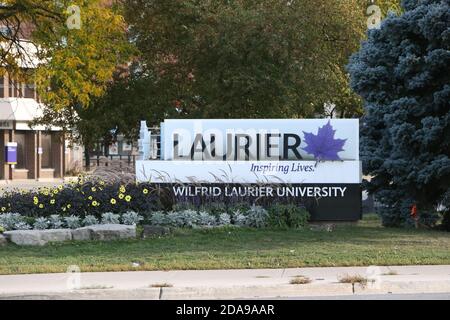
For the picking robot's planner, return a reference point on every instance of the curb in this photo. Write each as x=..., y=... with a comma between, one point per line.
x=255, y=292
x=90, y=294
x=239, y=292
x=404, y=287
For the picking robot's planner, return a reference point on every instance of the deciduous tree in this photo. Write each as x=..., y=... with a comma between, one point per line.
x=238, y=58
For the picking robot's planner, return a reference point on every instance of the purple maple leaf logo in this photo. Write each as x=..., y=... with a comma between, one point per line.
x=323, y=145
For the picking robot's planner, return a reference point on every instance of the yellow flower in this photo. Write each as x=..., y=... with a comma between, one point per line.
x=90, y=197
x=64, y=209
x=60, y=187
x=55, y=191
x=94, y=203
x=93, y=189
x=52, y=201
x=122, y=189
x=145, y=191
x=121, y=195
x=128, y=198
x=3, y=208
x=41, y=206
x=102, y=183
x=113, y=201
x=45, y=193
x=69, y=206
x=35, y=199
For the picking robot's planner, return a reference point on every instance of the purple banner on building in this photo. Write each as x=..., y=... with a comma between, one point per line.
x=11, y=153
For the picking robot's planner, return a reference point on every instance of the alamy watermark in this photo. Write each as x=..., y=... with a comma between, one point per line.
x=73, y=281
x=373, y=275
x=74, y=19
x=374, y=19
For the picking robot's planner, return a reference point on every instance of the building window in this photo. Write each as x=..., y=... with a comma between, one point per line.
x=21, y=150
x=11, y=89
x=29, y=90
x=2, y=87
x=46, y=144
x=16, y=89
x=6, y=31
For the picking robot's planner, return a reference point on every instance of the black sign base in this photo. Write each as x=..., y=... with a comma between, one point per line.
x=325, y=202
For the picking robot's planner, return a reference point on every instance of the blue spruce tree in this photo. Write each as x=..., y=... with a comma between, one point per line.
x=402, y=72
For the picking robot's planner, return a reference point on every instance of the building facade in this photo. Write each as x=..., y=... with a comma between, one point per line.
x=42, y=153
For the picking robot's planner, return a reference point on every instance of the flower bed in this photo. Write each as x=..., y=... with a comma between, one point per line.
x=81, y=198
x=89, y=202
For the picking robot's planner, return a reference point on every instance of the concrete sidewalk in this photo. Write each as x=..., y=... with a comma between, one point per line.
x=9, y=185
x=226, y=284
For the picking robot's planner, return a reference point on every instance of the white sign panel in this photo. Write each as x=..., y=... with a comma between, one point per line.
x=342, y=172
x=260, y=139
x=113, y=148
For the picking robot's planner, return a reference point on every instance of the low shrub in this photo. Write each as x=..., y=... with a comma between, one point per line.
x=90, y=220
x=14, y=221
x=288, y=216
x=256, y=217
x=205, y=219
x=110, y=218
x=131, y=218
x=159, y=219
x=183, y=219
x=73, y=222
x=239, y=219
x=187, y=219
x=224, y=219
x=41, y=223
x=22, y=225
x=56, y=222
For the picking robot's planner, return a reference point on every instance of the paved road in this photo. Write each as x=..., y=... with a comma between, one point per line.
x=6, y=186
x=416, y=296
x=420, y=296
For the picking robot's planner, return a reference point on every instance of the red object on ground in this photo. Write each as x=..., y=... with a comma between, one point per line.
x=414, y=211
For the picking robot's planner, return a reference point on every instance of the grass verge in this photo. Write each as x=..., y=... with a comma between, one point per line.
x=363, y=244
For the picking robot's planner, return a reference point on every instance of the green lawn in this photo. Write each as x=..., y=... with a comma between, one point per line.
x=364, y=244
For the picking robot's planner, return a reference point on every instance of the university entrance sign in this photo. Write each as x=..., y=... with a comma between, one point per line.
x=313, y=162
x=255, y=140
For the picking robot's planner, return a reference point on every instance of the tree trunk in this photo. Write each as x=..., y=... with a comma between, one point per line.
x=87, y=158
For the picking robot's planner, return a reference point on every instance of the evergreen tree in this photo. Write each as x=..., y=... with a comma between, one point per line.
x=402, y=74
